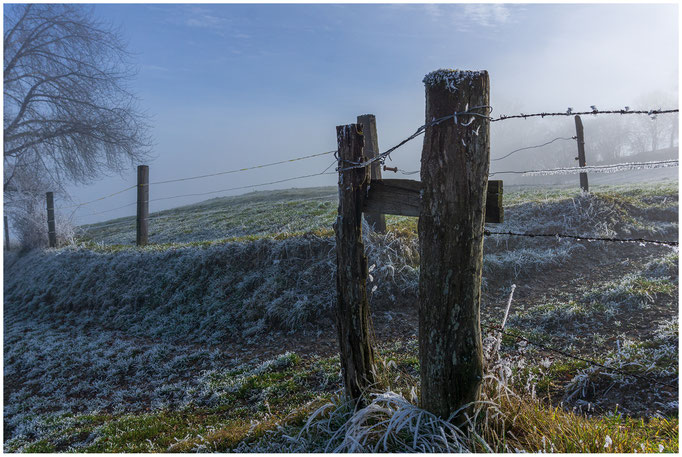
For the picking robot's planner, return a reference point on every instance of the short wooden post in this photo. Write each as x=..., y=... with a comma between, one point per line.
x=6, y=233
x=579, y=131
x=353, y=319
x=142, y=205
x=51, y=231
x=454, y=175
x=369, y=130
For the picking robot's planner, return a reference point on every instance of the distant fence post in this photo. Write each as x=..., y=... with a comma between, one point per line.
x=369, y=129
x=51, y=231
x=581, y=152
x=454, y=174
x=142, y=205
x=353, y=319
x=6, y=233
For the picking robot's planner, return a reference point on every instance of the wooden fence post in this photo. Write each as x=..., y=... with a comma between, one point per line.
x=142, y=205
x=51, y=231
x=6, y=233
x=369, y=129
x=454, y=175
x=353, y=319
x=581, y=152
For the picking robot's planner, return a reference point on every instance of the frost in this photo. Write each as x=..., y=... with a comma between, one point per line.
x=451, y=78
x=605, y=168
x=607, y=441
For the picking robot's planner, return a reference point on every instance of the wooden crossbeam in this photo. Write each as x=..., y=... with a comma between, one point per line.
x=402, y=198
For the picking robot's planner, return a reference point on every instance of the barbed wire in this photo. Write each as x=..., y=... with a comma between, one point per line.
x=585, y=238
x=386, y=154
x=534, y=147
x=613, y=168
x=594, y=111
x=576, y=357
x=382, y=157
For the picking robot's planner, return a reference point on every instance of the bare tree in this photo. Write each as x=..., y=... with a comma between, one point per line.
x=651, y=133
x=69, y=115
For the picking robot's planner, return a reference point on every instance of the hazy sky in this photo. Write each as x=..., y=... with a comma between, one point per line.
x=229, y=86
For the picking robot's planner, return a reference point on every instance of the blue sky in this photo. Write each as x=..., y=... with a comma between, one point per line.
x=230, y=86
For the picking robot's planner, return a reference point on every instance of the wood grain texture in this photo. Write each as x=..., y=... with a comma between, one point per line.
x=51, y=230
x=7, y=247
x=369, y=130
x=580, y=133
x=402, y=197
x=454, y=176
x=353, y=322
x=142, y=225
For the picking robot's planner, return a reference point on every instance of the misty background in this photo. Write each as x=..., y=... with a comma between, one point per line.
x=231, y=86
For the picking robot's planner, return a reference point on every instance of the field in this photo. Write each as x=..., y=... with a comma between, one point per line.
x=219, y=336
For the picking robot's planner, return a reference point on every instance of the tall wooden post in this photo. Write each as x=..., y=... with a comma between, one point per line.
x=353, y=319
x=454, y=175
x=369, y=130
x=142, y=205
x=6, y=233
x=51, y=231
x=581, y=152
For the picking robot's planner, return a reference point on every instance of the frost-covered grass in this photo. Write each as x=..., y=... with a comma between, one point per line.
x=509, y=418
x=609, y=303
x=637, y=362
x=292, y=404
x=113, y=348
x=186, y=394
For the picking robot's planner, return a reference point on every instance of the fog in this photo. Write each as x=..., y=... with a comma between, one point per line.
x=246, y=89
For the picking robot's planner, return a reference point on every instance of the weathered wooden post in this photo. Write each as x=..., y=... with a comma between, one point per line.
x=369, y=129
x=6, y=233
x=51, y=231
x=454, y=175
x=581, y=152
x=353, y=319
x=142, y=205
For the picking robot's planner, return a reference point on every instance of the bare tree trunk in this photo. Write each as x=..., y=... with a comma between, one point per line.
x=454, y=175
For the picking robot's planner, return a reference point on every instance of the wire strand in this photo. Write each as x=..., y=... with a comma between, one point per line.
x=158, y=217
x=533, y=147
x=594, y=112
x=575, y=357
x=625, y=166
x=585, y=238
x=243, y=169
x=242, y=187
x=78, y=205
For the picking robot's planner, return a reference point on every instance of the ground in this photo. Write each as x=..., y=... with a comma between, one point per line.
x=220, y=335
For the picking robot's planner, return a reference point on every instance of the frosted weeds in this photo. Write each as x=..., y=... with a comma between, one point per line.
x=389, y=423
x=125, y=325
x=656, y=358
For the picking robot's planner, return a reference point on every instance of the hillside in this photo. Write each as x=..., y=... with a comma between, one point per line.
x=220, y=335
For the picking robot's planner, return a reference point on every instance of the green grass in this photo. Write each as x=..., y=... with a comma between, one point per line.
x=293, y=212
x=259, y=402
